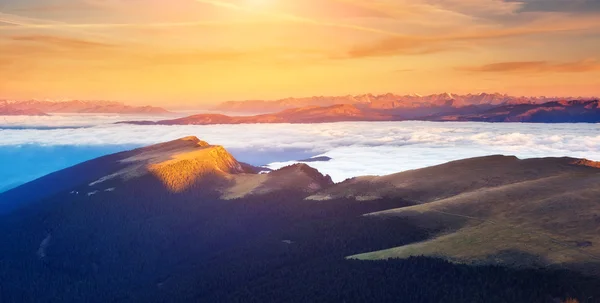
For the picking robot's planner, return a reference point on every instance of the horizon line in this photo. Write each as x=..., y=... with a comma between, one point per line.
x=183, y=104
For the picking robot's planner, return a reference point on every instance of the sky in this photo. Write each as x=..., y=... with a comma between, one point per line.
x=194, y=52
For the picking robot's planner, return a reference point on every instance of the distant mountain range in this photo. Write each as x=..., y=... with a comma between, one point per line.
x=549, y=112
x=9, y=110
x=386, y=101
x=37, y=107
x=184, y=221
x=313, y=114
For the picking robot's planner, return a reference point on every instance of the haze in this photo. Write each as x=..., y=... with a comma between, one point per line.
x=197, y=52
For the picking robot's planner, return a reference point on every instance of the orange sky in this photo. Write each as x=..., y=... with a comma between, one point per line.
x=194, y=52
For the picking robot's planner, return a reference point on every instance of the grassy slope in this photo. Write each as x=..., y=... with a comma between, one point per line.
x=553, y=218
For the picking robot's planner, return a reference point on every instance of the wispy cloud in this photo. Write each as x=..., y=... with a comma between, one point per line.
x=5, y=61
x=536, y=67
x=579, y=6
x=294, y=18
x=20, y=22
x=62, y=42
x=16, y=22
x=407, y=45
x=102, y=56
x=335, y=9
x=75, y=6
x=423, y=44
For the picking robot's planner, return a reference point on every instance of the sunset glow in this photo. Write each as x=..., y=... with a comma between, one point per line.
x=197, y=52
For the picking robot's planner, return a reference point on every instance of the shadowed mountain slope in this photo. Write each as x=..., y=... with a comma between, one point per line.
x=184, y=221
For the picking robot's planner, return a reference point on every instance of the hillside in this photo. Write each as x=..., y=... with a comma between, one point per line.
x=79, y=106
x=184, y=221
x=177, y=165
x=494, y=210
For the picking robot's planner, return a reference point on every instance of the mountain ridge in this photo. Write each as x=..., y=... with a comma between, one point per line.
x=78, y=106
x=311, y=114
x=9, y=110
x=572, y=111
x=550, y=112
x=387, y=101
x=177, y=165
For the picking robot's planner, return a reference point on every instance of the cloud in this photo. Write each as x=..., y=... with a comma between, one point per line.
x=76, y=6
x=535, y=67
x=430, y=9
x=264, y=55
x=27, y=55
x=294, y=18
x=562, y=6
x=62, y=42
x=189, y=57
x=5, y=61
x=336, y=9
x=407, y=45
x=362, y=148
x=15, y=22
x=476, y=8
x=463, y=39
x=25, y=21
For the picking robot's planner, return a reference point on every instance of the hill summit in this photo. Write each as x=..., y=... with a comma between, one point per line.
x=185, y=164
x=179, y=163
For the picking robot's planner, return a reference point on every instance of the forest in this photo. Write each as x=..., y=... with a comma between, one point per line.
x=143, y=243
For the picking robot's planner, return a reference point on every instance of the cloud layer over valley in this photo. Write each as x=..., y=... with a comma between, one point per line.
x=357, y=148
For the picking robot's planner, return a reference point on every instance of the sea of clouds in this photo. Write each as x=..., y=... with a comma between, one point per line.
x=357, y=148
